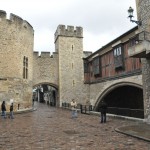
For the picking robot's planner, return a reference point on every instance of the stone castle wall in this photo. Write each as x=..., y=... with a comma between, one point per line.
x=16, y=41
x=45, y=68
x=143, y=13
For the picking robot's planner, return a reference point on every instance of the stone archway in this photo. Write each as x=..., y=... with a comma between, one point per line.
x=46, y=93
x=124, y=99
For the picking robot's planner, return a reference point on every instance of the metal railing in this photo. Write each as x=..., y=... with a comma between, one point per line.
x=137, y=113
x=85, y=109
x=66, y=105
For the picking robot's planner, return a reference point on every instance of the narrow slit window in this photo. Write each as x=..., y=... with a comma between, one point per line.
x=73, y=83
x=25, y=67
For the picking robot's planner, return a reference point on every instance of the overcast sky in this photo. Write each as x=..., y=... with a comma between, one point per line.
x=102, y=20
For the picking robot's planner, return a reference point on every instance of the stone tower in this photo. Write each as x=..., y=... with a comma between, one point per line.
x=69, y=45
x=143, y=14
x=16, y=60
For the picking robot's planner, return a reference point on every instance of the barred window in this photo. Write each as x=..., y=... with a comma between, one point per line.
x=117, y=51
x=118, y=57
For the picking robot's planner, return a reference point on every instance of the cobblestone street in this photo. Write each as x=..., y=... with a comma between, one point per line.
x=50, y=128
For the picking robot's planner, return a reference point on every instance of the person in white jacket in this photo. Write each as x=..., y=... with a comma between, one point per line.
x=73, y=108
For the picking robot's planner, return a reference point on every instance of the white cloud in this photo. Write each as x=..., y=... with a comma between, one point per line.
x=102, y=21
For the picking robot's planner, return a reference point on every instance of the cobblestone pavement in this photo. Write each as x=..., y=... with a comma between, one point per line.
x=51, y=128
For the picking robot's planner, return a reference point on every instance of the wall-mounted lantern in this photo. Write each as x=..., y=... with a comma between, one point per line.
x=130, y=15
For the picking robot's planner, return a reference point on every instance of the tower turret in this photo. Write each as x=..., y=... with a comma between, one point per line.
x=16, y=59
x=69, y=45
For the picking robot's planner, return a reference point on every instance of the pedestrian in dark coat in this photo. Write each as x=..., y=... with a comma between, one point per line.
x=103, y=110
x=11, y=111
x=3, y=109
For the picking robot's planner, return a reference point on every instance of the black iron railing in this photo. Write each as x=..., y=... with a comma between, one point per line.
x=137, y=113
x=86, y=109
x=66, y=105
x=83, y=108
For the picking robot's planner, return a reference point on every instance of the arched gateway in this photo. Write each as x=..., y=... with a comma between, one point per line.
x=46, y=93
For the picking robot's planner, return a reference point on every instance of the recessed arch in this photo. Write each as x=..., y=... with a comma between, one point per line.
x=48, y=83
x=123, y=96
x=114, y=86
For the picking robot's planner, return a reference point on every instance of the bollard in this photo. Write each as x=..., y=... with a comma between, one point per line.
x=90, y=108
x=18, y=106
x=85, y=108
x=65, y=104
x=81, y=108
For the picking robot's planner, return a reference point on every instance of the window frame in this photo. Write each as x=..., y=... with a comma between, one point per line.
x=96, y=66
x=118, y=53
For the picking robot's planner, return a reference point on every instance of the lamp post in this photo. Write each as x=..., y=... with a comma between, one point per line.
x=130, y=15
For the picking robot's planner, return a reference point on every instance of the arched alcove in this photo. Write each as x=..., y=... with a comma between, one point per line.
x=123, y=99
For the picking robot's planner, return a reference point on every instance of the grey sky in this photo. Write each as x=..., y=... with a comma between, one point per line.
x=102, y=20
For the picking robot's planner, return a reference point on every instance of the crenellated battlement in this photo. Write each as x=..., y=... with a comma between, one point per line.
x=45, y=55
x=3, y=14
x=14, y=19
x=70, y=31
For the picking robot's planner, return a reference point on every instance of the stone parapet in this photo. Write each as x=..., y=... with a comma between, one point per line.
x=45, y=55
x=69, y=31
x=14, y=19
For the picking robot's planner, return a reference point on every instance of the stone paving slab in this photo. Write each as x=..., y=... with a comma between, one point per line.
x=141, y=131
x=51, y=128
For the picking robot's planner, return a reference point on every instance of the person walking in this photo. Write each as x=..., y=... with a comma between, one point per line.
x=11, y=111
x=73, y=108
x=103, y=110
x=3, y=109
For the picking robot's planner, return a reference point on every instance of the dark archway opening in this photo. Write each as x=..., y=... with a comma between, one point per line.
x=125, y=101
x=45, y=93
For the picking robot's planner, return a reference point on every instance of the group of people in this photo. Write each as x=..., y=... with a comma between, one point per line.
x=102, y=108
x=3, y=109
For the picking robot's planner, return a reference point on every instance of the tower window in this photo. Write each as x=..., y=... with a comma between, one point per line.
x=73, y=83
x=25, y=67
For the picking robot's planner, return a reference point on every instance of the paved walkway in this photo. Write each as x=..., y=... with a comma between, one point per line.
x=51, y=128
x=139, y=130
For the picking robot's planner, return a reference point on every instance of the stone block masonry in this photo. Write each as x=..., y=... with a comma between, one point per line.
x=16, y=42
x=143, y=13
